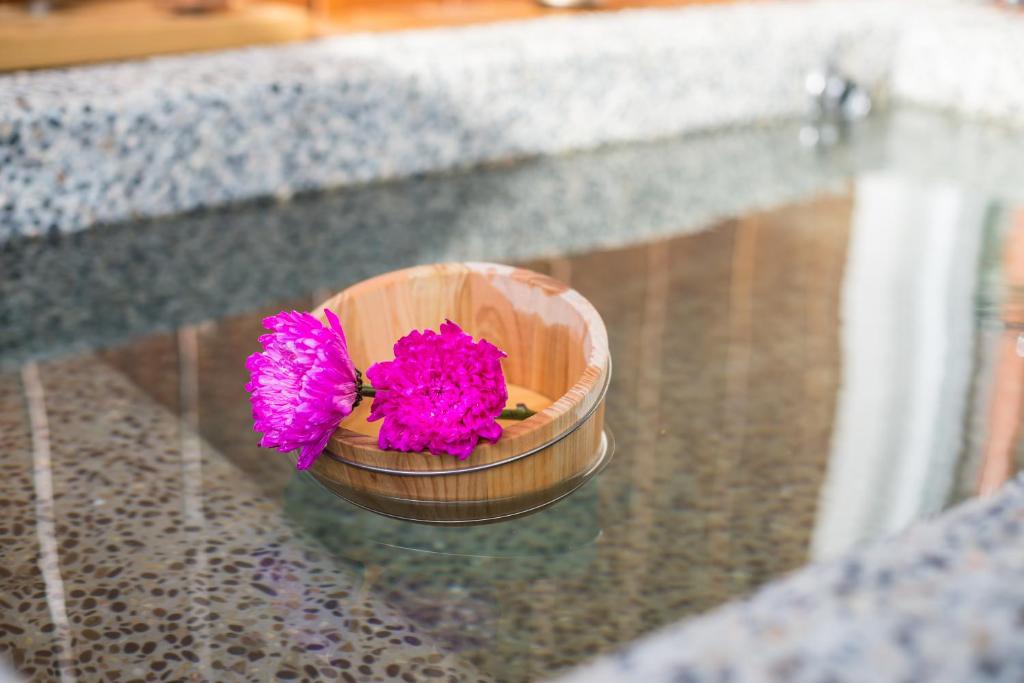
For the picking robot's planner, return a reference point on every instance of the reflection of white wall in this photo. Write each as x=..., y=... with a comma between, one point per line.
x=6, y=675
x=907, y=312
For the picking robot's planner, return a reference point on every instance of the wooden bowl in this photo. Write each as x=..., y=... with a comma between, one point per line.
x=558, y=363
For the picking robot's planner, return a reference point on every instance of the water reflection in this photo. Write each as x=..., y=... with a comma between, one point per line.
x=452, y=581
x=726, y=345
x=548, y=536
x=1002, y=453
x=788, y=382
x=907, y=356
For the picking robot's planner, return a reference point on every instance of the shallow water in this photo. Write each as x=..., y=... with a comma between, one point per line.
x=812, y=348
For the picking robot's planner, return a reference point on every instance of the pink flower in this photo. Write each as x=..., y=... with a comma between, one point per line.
x=302, y=384
x=441, y=393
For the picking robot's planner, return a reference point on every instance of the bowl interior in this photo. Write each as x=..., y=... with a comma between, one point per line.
x=557, y=349
x=537, y=321
x=526, y=314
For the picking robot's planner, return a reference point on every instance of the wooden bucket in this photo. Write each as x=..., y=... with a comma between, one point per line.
x=558, y=357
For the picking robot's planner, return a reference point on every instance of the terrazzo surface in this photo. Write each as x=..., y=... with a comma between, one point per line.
x=75, y=291
x=150, y=562
x=103, y=144
x=146, y=537
x=184, y=550
x=943, y=602
x=68, y=292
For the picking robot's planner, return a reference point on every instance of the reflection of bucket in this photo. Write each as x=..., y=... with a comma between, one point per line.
x=470, y=512
x=557, y=347
x=556, y=540
x=451, y=581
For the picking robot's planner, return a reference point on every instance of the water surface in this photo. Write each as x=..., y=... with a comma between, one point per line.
x=812, y=348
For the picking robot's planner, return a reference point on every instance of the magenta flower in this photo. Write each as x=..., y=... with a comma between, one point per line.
x=441, y=393
x=303, y=383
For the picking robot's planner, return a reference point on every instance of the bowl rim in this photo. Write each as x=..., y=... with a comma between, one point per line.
x=606, y=451
x=584, y=390
x=582, y=420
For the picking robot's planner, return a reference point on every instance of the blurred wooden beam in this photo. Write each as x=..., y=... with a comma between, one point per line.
x=103, y=30
x=348, y=16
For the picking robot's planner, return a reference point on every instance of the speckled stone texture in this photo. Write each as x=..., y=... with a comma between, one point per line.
x=165, y=565
x=103, y=144
x=95, y=287
x=145, y=536
x=108, y=143
x=158, y=486
x=943, y=602
x=963, y=57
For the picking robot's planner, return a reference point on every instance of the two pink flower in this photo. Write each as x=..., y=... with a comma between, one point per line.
x=442, y=393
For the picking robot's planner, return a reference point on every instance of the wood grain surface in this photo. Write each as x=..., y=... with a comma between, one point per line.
x=102, y=30
x=84, y=31
x=557, y=347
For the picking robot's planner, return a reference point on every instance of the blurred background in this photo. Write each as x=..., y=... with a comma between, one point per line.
x=46, y=33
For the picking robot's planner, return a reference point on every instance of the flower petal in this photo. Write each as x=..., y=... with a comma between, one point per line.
x=442, y=392
x=302, y=384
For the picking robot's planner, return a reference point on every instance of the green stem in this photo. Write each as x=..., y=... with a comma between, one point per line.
x=520, y=412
